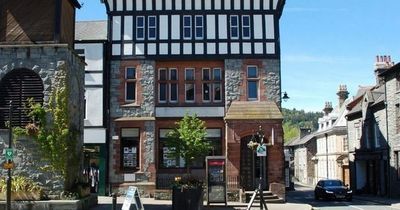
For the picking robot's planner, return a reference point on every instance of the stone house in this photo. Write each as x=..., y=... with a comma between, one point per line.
x=36, y=38
x=391, y=82
x=331, y=159
x=218, y=59
x=303, y=150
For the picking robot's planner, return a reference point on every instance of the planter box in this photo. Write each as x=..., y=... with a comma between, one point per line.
x=187, y=199
x=21, y=196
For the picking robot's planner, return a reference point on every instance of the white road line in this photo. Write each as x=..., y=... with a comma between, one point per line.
x=356, y=207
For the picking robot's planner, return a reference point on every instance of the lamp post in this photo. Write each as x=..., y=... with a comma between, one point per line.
x=258, y=144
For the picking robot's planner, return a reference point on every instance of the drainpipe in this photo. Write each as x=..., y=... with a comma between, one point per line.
x=388, y=189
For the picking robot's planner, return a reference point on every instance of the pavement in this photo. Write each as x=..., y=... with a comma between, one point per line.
x=105, y=203
x=395, y=203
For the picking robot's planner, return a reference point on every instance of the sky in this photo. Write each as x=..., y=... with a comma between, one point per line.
x=324, y=43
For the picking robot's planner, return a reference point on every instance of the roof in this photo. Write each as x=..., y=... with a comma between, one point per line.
x=373, y=95
x=75, y=3
x=391, y=69
x=253, y=110
x=300, y=141
x=91, y=30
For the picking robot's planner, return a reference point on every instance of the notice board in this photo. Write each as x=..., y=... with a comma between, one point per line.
x=132, y=197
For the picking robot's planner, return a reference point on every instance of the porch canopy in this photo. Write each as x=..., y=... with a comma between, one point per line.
x=253, y=110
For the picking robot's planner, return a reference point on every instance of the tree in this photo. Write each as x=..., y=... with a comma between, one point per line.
x=188, y=139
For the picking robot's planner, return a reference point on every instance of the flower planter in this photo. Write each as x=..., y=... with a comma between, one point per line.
x=187, y=198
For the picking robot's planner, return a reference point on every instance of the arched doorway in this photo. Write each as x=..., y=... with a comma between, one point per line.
x=18, y=86
x=249, y=166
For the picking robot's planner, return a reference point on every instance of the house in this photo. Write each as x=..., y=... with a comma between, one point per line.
x=390, y=77
x=90, y=45
x=303, y=150
x=36, y=38
x=331, y=159
x=218, y=59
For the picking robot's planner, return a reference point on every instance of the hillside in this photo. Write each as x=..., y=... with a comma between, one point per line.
x=295, y=119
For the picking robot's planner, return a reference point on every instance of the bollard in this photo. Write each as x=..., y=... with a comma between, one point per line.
x=114, y=201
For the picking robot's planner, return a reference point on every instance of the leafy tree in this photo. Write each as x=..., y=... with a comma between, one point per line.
x=188, y=139
x=294, y=119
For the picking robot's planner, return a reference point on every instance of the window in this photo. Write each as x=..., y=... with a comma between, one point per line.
x=189, y=85
x=234, y=27
x=152, y=27
x=212, y=85
x=18, y=86
x=398, y=118
x=377, y=135
x=217, y=91
x=130, y=84
x=187, y=27
x=84, y=108
x=246, y=27
x=173, y=77
x=130, y=149
x=252, y=83
x=167, y=85
x=213, y=136
x=367, y=135
x=199, y=26
x=140, y=28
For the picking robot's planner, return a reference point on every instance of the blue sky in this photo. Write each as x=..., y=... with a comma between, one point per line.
x=324, y=43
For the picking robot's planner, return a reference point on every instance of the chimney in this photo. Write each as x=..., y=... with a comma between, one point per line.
x=343, y=94
x=304, y=132
x=328, y=108
x=382, y=63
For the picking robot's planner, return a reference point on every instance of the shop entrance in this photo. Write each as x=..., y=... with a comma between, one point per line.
x=249, y=166
x=94, y=167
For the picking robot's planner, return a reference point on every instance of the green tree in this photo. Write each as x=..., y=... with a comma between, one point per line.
x=188, y=139
x=294, y=119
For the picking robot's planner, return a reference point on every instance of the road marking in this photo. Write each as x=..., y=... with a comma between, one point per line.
x=356, y=207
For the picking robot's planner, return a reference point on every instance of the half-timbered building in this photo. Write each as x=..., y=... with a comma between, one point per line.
x=219, y=59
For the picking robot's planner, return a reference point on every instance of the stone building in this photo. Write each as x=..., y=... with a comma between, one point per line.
x=331, y=159
x=219, y=59
x=36, y=38
x=303, y=150
x=391, y=82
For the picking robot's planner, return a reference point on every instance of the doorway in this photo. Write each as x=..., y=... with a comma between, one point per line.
x=94, y=167
x=249, y=166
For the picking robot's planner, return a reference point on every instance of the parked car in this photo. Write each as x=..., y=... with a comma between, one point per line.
x=332, y=189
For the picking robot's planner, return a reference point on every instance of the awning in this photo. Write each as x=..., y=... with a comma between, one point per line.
x=253, y=110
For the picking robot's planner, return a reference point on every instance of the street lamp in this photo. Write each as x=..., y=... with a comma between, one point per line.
x=257, y=144
x=285, y=96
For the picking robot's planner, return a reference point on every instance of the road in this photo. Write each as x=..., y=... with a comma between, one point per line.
x=306, y=195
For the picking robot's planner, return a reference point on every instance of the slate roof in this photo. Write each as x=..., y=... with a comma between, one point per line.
x=91, y=30
x=253, y=110
x=300, y=141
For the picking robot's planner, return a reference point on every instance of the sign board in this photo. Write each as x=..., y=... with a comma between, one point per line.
x=8, y=165
x=262, y=150
x=132, y=197
x=216, y=179
x=9, y=154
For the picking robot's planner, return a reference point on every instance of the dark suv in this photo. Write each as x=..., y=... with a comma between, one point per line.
x=332, y=189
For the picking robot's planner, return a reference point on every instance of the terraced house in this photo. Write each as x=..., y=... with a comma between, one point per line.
x=219, y=59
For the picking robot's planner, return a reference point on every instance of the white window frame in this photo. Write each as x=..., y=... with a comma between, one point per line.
x=140, y=27
x=234, y=26
x=220, y=91
x=165, y=82
x=151, y=27
x=187, y=26
x=201, y=27
x=246, y=27
x=194, y=76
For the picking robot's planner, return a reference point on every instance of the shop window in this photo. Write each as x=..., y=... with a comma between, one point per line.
x=252, y=83
x=130, y=149
x=166, y=160
x=130, y=84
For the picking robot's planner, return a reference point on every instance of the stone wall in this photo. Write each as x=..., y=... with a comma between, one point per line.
x=45, y=60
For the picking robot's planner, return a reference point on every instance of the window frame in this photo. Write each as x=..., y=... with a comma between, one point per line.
x=199, y=27
x=130, y=80
x=254, y=80
x=150, y=28
x=171, y=82
x=186, y=92
x=246, y=27
x=140, y=27
x=185, y=37
x=234, y=27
